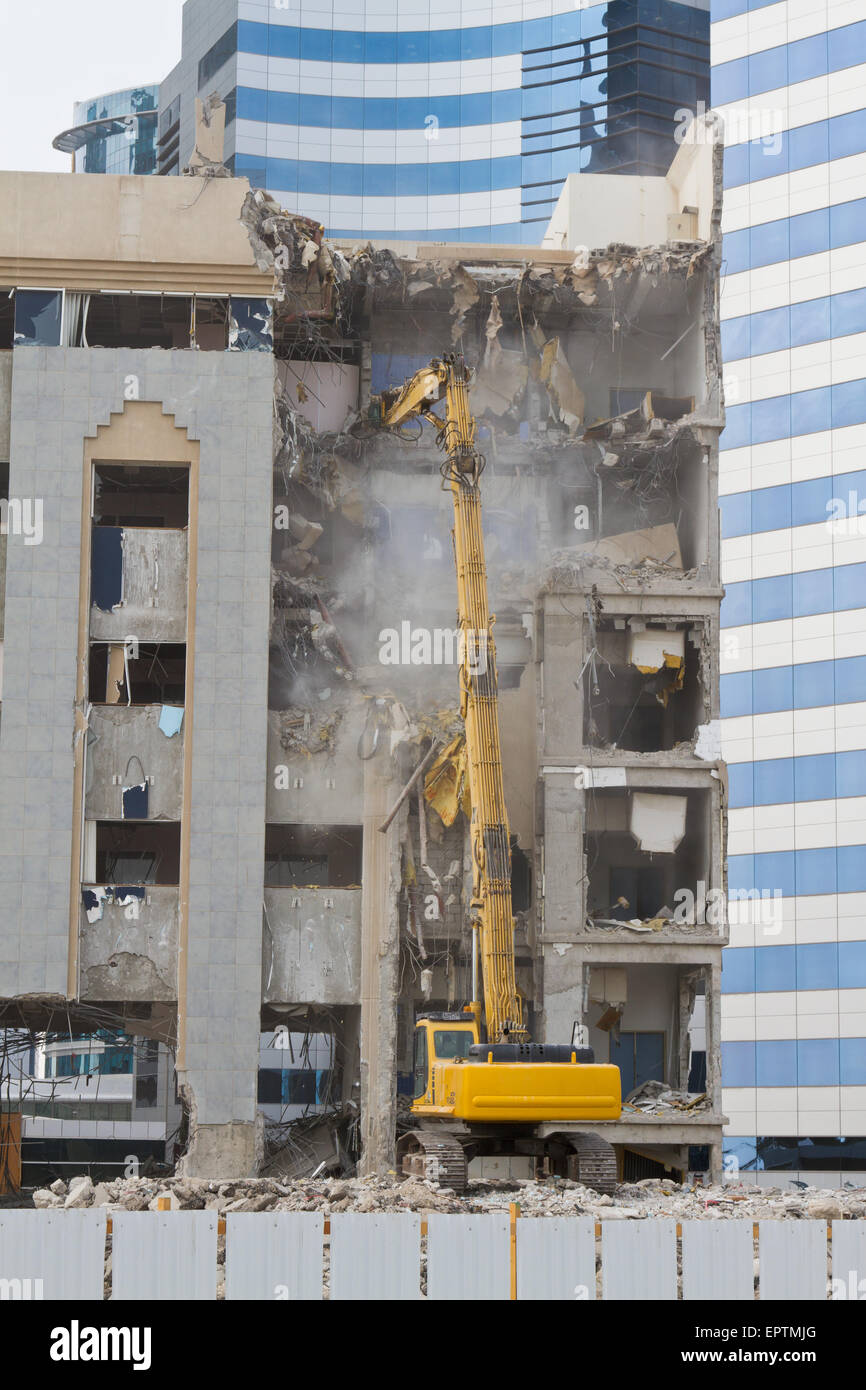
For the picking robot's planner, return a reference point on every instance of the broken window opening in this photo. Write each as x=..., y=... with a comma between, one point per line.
x=647, y=889
x=296, y=1069
x=130, y=852
x=251, y=326
x=521, y=879
x=312, y=856
x=133, y=673
x=309, y=655
x=38, y=318
x=7, y=319
x=307, y=534
x=143, y=320
x=136, y=495
x=642, y=687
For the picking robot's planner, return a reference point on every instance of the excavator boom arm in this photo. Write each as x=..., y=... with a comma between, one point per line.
x=479, y=699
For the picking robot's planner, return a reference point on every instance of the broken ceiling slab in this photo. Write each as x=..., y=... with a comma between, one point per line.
x=652, y=648
x=657, y=822
x=657, y=544
x=567, y=400
x=594, y=777
x=499, y=384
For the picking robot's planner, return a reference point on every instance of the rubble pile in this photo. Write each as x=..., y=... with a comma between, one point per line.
x=656, y=1098
x=650, y=1197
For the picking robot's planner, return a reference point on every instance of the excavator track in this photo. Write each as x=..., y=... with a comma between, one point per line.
x=436, y=1157
x=592, y=1163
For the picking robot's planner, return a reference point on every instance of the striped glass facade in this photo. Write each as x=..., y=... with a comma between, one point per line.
x=453, y=122
x=789, y=79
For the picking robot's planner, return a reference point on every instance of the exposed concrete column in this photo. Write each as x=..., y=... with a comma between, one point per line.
x=349, y=1038
x=380, y=954
x=713, y=1023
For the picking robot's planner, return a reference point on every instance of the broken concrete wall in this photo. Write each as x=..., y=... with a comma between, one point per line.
x=153, y=588
x=128, y=947
x=125, y=745
x=314, y=772
x=311, y=949
x=5, y=402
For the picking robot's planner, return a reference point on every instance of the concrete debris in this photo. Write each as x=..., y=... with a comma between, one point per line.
x=80, y=1193
x=649, y=1197
x=656, y=1097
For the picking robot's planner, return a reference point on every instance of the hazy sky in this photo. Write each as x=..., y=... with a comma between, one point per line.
x=56, y=52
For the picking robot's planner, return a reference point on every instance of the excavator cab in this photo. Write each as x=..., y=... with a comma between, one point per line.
x=441, y=1037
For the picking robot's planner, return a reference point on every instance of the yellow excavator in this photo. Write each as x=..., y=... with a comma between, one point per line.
x=505, y=1095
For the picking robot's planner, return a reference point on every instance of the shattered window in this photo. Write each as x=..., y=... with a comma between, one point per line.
x=38, y=318
x=251, y=327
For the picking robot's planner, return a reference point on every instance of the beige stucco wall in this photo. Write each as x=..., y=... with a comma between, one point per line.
x=92, y=231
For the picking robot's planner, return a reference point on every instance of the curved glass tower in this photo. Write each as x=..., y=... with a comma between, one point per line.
x=457, y=121
x=115, y=133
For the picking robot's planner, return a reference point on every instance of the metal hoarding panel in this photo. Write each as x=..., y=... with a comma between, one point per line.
x=375, y=1256
x=468, y=1257
x=556, y=1258
x=274, y=1255
x=718, y=1260
x=639, y=1259
x=793, y=1260
x=61, y=1254
x=164, y=1255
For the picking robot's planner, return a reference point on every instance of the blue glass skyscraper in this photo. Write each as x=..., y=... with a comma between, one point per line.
x=421, y=121
x=788, y=78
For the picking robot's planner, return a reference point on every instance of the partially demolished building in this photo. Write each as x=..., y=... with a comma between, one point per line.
x=234, y=646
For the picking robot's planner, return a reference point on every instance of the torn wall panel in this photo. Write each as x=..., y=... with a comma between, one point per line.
x=658, y=823
x=139, y=584
x=121, y=738
x=311, y=947
x=128, y=943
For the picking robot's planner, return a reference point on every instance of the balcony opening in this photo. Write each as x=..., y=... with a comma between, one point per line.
x=647, y=857
x=130, y=495
x=642, y=687
x=137, y=673
x=130, y=853
x=312, y=856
